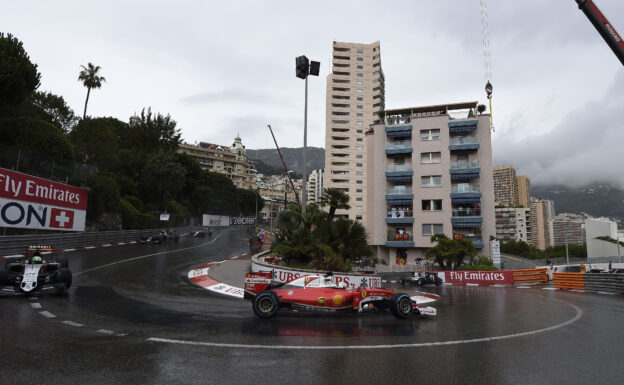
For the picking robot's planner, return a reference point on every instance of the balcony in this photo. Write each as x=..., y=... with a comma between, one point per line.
x=400, y=239
x=465, y=188
x=399, y=147
x=465, y=167
x=399, y=195
x=463, y=126
x=468, y=212
x=398, y=190
x=399, y=167
x=464, y=143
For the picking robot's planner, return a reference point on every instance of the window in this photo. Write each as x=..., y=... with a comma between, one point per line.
x=358, y=217
x=359, y=147
x=360, y=59
x=358, y=190
x=360, y=67
x=359, y=107
x=359, y=123
x=359, y=165
x=360, y=75
x=359, y=140
x=359, y=82
x=359, y=207
x=358, y=131
x=358, y=182
x=359, y=90
x=432, y=204
x=376, y=73
x=375, y=57
x=375, y=49
x=433, y=134
x=359, y=115
x=431, y=229
x=359, y=98
x=430, y=157
x=431, y=181
x=359, y=173
x=359, y=156
x=360, y=50
x=358, y=199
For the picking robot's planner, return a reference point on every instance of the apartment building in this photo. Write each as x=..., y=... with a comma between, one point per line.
x=523, y=184
x=505, y=186
x=315, y=186
x=513, y=223
x=429, y=171
x=231, y=161
x=355, y=96
x=569, y=228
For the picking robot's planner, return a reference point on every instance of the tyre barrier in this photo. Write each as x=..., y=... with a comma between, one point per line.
x=530, y=276
x=613, y=283
x=573, y=281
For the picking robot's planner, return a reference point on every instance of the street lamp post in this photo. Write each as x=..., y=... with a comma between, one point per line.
x=303, y=68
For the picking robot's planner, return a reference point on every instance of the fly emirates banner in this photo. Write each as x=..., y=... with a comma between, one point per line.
x=35, y=203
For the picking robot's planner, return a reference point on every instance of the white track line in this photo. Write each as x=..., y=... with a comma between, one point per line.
x=35, y=305
x=47, y=314
x=579, y=314
x=144, y=256
x=549, y=288
x=111, y=333
x=72, y=323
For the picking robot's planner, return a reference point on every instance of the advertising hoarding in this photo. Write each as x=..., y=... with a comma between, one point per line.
x=30, y=202
x=486, y=277
x=215, y=220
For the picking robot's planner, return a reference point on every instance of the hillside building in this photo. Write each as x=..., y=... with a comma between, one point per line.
x=315, y=186
x=505, y=186
x=513, y=223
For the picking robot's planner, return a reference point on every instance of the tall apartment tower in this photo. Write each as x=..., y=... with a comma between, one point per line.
x=505, y=186
x=355, y=96
x=315, y=186
x=429, y=172
x=524, y=190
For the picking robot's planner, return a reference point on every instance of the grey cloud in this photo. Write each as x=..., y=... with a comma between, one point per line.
x=586, y=147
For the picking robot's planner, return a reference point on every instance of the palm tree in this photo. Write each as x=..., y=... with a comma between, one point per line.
x=90, y=79
x=451, y=251
x=335, y=199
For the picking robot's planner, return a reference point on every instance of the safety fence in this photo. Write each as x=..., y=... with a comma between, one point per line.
x=530, y=276
x=613, y=283
x=17, y=244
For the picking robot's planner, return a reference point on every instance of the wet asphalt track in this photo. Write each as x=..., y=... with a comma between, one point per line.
x=126, y=300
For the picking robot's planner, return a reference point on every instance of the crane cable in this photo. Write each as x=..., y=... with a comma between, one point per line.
x=487, y=57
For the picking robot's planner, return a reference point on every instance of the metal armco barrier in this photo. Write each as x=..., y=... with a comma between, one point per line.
x=569, y=281
x=17, y=244
x=612, y=283
x=530, y=276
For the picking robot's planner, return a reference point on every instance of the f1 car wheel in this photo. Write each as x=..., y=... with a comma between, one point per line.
x=4, y=278
x=401, y=305
x=66, y=277
x=266, y=304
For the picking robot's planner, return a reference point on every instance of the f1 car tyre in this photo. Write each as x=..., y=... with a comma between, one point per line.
x=66, y=277
x=266, y=304
x=4, y=278
x=401, y=305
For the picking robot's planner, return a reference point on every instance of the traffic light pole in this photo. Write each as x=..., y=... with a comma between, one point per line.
x=304, y=193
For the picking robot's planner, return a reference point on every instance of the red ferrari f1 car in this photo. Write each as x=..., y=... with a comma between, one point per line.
x=319, y=292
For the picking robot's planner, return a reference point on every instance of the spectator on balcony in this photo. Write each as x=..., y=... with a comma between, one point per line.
x=401, y=212
x=393, y=213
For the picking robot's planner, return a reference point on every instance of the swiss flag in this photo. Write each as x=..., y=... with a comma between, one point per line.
x=62, y=218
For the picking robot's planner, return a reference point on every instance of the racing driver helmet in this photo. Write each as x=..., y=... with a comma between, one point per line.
x=36, y=259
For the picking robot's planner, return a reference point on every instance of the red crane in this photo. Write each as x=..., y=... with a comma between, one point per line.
x=284, y=163
x=605, y=29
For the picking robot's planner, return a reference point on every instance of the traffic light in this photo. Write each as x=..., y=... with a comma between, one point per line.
x=302, y=65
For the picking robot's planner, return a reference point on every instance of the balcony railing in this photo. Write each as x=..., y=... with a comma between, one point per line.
x=399, y=167
x=465, y=188
x=399, y=191
x=466, y=140
x=400, y=213
x=465, y=164
x=406, y=236
x=398, y=145
x=467, y=212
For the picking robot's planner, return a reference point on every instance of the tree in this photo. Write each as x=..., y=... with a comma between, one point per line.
x=450, y=253
x=90, y=79
x=54, y=109
x=96, y=141
x=335, y=199
x=19, y=77
x=481, y=108
x=149, y=132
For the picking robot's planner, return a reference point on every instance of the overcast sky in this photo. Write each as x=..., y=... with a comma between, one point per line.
x=222, y=68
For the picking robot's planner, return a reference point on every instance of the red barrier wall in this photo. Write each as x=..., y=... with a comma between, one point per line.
x=487, y=277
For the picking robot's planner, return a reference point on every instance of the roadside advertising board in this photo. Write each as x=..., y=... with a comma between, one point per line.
x=215, y=220
x=352, y=281
x=488, y=277
x=242, y=221
x=495, y=250
x=30, y=202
